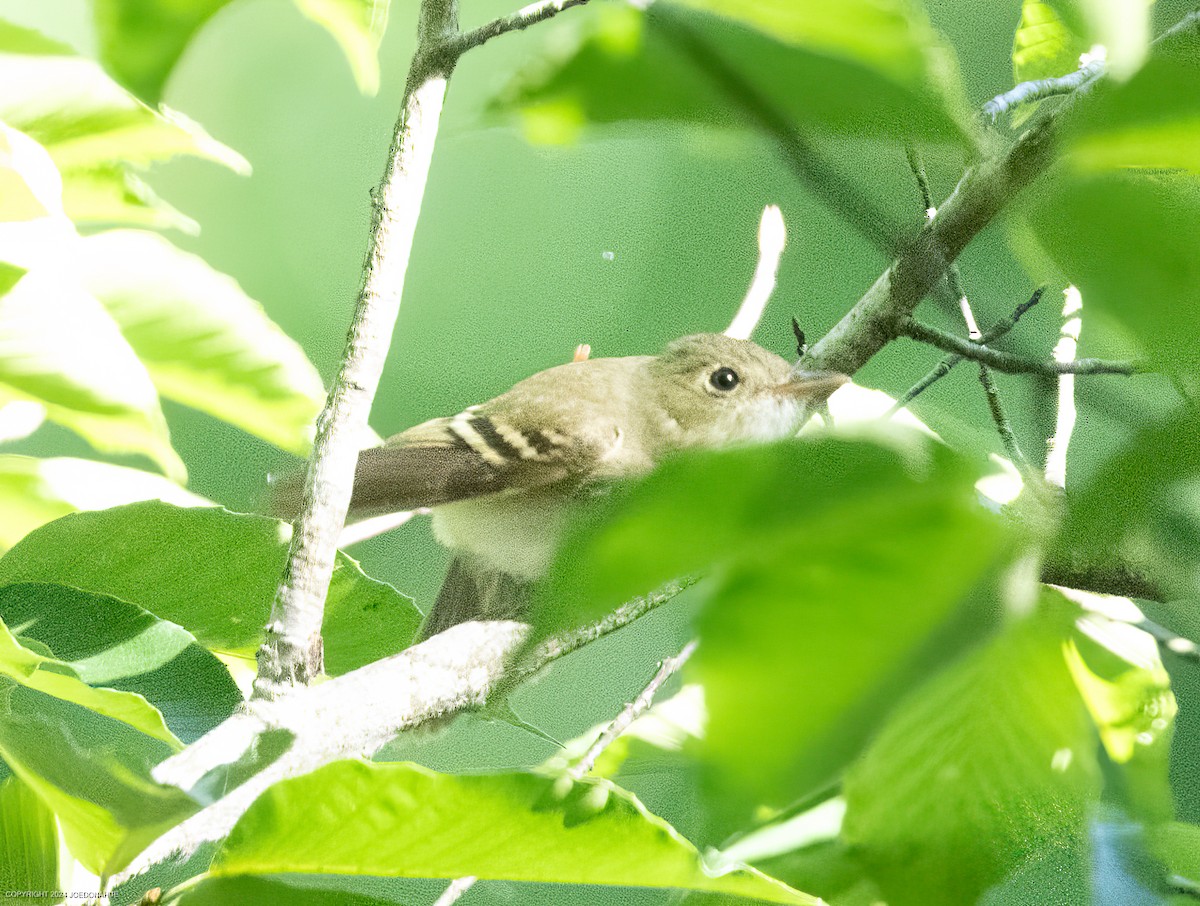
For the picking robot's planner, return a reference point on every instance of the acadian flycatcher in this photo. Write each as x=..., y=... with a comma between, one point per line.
x=500, y=477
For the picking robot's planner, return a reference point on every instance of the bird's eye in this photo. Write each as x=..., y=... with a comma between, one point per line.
x=724, y=379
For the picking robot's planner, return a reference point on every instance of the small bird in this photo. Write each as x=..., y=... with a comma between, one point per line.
x=500, y=477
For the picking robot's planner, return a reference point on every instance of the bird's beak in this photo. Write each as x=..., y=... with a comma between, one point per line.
x=812, y=386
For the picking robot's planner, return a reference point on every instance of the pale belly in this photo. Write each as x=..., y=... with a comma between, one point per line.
x=515, y=534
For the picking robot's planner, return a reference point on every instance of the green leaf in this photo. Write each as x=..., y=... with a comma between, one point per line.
x=36, y=491
x=60, y=348
x=323, y=891
x=1121, y=26
x=54, y=677
x=1154, y=484
x=993, y=763
x=358, y=27
x=142, y=41
x=92, y=771
x=704, y=510
x=94, y=130
x=108, y=642
x=1043, y=47
x=204, y=341
x=1153, y=120
x=28, y=844
x=869, y=69
x=1129, y=243
x=30, y=186
x=376, y=819
x=212, y=572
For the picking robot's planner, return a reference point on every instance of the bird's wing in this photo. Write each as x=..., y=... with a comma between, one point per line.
x=483, y=450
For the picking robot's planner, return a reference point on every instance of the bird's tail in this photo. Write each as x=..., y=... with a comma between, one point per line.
x=474, y=593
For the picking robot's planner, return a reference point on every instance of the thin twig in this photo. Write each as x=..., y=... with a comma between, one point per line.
x=1064, y=425
x=456, y=889
x=635, y=709
x=943, y=368
x=518, y=21
x=954, y=281
x=1007, y=361
x=838, y=193
x=1039, y=89
x=772, y=237
x=292, y=652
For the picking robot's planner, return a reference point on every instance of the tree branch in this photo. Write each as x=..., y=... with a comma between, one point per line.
x=772, y=237
x=954, y=280
x=943, y=368
x=1064, y=424
x=1039, y=89
x=356, y=714
x=1007, y=361
x=635, y=709
x=292, y=652
x=518, y=21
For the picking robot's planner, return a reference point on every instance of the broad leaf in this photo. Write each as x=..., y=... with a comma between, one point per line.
x=94, y=130
x=1154, y=484
x=60, y=348
x=376, y=819
x=867, y=69
x=1043, y=47
x=1129, y=244
x=110, y=643
x=36, y=491
x=807, y=640
x=212, y=572
x=991, y=764
x=1153, y=120
x=1122, y=27
x=142, y=41
x=204, y=341
x=92, y=771
x=28, y=844
x=25, y=667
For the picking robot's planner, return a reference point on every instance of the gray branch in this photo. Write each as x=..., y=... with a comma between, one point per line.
x=518, y=21
x=1039, y=89
x=292, y=652
x=1007, y=361
x=944, y=367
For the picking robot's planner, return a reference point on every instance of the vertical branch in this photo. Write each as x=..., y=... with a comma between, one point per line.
x=1056, y=452
x=292, y=652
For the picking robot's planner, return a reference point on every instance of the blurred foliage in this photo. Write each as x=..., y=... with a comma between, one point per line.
x=883, y=705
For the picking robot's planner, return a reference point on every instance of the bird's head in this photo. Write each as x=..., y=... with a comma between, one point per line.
x=721, y=390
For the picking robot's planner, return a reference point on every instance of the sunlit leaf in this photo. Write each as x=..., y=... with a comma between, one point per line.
x=28, y=844
x=60, y=348
x=110, y=643
x=30, y=186
x=1122, y=27
x=53, y=677
x=92, y=771
x=376, y=819
x=1043, y=47
x=993, y=763
x=203, y=340
x=868, y=68
x=142, y=41
x=357, y=26
x=94, y=130
x=212, y=572
x=35, y=491
x=1153, y=120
